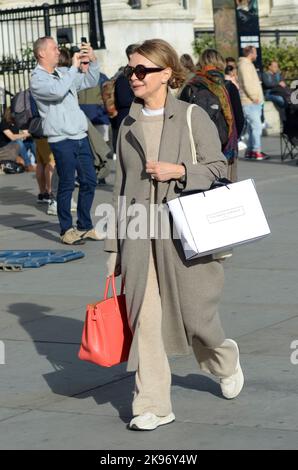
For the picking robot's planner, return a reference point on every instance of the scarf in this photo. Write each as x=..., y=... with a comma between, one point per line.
x=213, y=80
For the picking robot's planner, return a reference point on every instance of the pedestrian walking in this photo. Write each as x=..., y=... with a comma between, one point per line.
x=172, y=303
x=65, y=126
x=252, y=100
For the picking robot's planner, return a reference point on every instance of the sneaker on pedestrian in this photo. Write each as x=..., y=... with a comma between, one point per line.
x=231, y=386
x=149, y=421
x=248, y=154
x=52, y=207
x=265, y=155
x=91, y=234
x=73, y=205
x=45, y=198
x=42, y=198
x=72, y=237
x=258, y=156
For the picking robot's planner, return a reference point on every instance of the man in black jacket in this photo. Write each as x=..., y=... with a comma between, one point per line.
x=124, y=96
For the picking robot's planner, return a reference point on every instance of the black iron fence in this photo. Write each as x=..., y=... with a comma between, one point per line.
x=20, y=27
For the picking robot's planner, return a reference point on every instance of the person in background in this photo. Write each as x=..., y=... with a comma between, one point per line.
x=123, y=98
x=44, y=170
x=252, y=99
x=276, y=89
x=207, y=89
x=231, y=71
x=65, y=125
x=190, y=70
x=188, y=64
x=154, y=164
x=230, y=74
x=235, y=101
x=231, y=61
x=46, y=173
x=64, y=59
x=91, y=103
x=11, y=134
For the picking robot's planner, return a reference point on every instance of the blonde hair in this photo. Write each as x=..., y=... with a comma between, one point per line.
x=161, y=53
x=187, y=62
x=212, y=57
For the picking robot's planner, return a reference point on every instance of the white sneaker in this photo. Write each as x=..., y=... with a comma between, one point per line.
x=52, y=207
x=73, y=206
x=149, y=421
x=232, y=386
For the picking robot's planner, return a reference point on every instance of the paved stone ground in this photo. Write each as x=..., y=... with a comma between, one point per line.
x=51, y=400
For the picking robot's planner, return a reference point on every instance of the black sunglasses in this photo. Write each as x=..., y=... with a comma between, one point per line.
x=140, y=71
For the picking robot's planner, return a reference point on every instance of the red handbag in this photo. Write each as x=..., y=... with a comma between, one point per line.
x=106, y=336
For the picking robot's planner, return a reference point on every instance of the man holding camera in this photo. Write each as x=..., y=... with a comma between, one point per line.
x=65, y=126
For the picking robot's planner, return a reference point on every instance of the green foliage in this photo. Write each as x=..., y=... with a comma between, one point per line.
x=204, y=41
x=286, y=54
x=27, y=53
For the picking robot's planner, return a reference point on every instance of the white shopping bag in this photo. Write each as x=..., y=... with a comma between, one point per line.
x=219, y=219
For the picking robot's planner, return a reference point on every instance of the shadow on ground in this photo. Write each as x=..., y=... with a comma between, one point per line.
x=59, y=344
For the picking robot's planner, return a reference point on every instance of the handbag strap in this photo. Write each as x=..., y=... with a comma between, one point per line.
x=111, y=280
x=191, y=139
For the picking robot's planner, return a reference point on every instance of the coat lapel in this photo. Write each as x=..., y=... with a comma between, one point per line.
x=135, y=134
x=170, y=139
x=170, y=142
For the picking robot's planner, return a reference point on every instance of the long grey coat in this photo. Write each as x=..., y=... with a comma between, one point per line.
x=189, y=290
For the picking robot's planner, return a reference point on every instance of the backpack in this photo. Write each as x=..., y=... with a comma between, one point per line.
x=108, y=97
x=21, y=109
x=203, y=97
x=25, y=113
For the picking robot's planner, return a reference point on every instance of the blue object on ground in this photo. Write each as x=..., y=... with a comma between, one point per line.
x=15, y=260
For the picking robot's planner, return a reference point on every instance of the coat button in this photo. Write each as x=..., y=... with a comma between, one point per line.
x=133, y=201
x=164, y=201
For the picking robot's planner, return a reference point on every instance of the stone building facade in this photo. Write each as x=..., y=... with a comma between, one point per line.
x=173, y=20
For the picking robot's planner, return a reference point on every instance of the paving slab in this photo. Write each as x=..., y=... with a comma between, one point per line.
x=49, y=399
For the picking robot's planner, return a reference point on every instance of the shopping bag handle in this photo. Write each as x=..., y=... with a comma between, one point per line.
x=111, y=280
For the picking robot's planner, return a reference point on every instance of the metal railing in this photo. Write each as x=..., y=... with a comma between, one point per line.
x=20, y=27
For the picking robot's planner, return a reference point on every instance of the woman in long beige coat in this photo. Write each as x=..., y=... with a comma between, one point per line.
x=171, y=303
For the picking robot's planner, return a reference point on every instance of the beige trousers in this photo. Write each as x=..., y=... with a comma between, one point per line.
x=153, y=377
